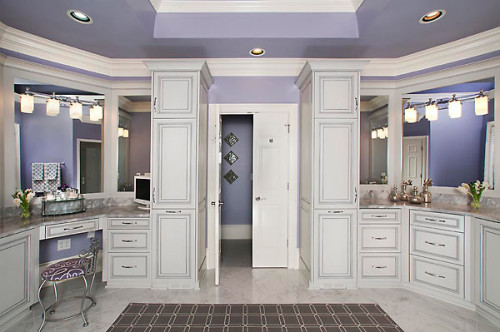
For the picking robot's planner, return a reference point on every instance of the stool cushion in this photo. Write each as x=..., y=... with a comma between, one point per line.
x=67, y=269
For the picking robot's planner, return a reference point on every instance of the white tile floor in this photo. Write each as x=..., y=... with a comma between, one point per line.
x=413, y=312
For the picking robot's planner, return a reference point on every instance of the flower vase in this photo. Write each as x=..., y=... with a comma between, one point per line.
x=25, y=213
x=475, y=204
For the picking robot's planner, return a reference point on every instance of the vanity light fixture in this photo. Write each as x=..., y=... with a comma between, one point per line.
x=411, y=114
x=125, y=133
x=79, y=16
x=481, y=104
x=386, y=132
x=120, y=132
x=432, y=16
x=53, y=105
x=455, y=107
x=431, y=111
x=75, y=109
x=257, y=51
x=95, y=112
x=374, y=134
x=381, y=133
x=27, y=102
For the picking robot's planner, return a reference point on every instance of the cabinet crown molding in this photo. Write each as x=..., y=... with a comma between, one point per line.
x=182, y=65
x=337, y=65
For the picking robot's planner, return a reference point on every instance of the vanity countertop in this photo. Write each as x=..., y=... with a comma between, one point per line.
x=13, y=225
x=488, y=213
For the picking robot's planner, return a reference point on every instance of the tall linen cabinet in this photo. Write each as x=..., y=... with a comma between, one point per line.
x=179, y=172
x=329, y=171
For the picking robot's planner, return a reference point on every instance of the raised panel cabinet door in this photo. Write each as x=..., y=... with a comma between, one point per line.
x=174, y=163
x=490, y=266
x=334, y=243
x=175, y=95
x=336, y=95
x=174, y=245
x=336, y=164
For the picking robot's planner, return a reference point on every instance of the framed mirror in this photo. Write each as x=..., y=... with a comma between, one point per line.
x=58, y=138
x=448, y=134
x=374, y=131
x=134, y=139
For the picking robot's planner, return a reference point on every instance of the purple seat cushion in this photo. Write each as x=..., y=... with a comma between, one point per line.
x=67, y=269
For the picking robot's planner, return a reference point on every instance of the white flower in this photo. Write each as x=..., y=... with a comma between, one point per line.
x=17, y=202
x=30, y=196
x=486, y=185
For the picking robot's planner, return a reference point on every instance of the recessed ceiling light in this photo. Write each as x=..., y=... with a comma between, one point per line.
x=432, y=16
x=79, y=16
x=257, y=51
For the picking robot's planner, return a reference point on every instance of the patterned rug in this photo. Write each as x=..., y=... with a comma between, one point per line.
x=355, y=317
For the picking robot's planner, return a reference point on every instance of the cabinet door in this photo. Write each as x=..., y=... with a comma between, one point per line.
x=336, y=164
x=336, y=95
x=174, y=244
x=489, y=267
x=334, y=243
x=174, y=163
x=175, y=95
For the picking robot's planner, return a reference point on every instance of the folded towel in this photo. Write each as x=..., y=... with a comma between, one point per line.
x=51, y=171
x=37, y=171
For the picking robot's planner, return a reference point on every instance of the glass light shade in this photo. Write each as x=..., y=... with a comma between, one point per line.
x=95, y=113
x=27, y=103
x=120, y=132
x=75, y=110
x=481, y=105
x=431, y=112
x=374, y=133
x=386, y=132
x=125, y=133
x=455, y=109
x=53, y=106
x=410, y=115
x=380, y=133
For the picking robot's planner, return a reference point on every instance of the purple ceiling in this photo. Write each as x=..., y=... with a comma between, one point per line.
x=126, y=29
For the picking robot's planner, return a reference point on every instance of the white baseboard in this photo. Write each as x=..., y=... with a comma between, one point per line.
x=236, y=232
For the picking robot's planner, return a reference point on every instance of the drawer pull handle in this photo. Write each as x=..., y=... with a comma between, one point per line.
x=379, y=267
x=129, y=267
x=336, y=211
x=129, y=223
x=379, y=238
x=380, y=216
x=435, y=220
x=128, y=241
x=435, y=244
x=171, y=211
x=73, y=228
x=435, y=275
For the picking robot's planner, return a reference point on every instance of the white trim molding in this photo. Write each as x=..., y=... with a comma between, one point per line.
x=236, y=232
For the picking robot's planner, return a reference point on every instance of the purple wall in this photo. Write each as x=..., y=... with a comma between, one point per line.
x=48, y=248
x=140, y=144
x=237, y=197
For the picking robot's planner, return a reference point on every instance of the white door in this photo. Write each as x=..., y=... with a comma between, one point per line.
x=270, y=190
x=415, y=159
x=218, y=204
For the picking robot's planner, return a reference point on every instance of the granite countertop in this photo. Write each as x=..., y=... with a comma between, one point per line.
x=13, y=225
x=488, y=213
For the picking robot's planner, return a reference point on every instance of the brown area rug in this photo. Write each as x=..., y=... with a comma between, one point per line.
x=355, y=317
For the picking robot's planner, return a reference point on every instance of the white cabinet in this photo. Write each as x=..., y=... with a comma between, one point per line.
x=174, y=163
x=336, y=163
x=488, y=269
x=336, y=94
x=175, y=95
x=18, y=274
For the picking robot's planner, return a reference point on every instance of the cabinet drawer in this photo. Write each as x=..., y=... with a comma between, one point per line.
x=438, y=220
x=385, y=216
x=379, y=266
x=438, y=244
x=128, y=266
x=129, y=241
x=128, y=223
x=69, y=228
x=437, y=275
x=380, y=238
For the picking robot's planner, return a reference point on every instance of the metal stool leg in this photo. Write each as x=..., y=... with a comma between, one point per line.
x=43, y=308
x=56, y=295
x=85, y=323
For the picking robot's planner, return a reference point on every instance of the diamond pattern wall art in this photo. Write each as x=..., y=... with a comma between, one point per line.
x=230, y=176
x=231, y=139
x=231, y=157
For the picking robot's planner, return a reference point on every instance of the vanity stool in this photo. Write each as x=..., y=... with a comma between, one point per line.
x=83, y=266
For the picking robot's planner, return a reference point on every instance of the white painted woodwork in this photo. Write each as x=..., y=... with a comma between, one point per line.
x=437, y=275
x=270, y=176
x=415, y=159
x=70, y=228
x=201, y=190
x=128, y=223
x=336, y=95
x=174, y=163
x=217, y=201
x=380, y=238
x=175, y=95
x=135, y=241
x=442, y=245
x=379, y=266
x=375, y=216
x=336, y=175
x=439, y=220
x=306, y=240
x=18, y=274
x=128, y=266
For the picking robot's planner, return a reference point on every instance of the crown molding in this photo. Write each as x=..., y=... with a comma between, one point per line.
x=134, y=107
x=374, y=104
x=256, y=6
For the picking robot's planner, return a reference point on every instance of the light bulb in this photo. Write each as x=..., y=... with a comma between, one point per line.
x=455, y=108
x=431, y=111
x=410, y=115
x=481, y=104
x=95, y=113
x=53, y=106
x=27, y=103
x=75, y=110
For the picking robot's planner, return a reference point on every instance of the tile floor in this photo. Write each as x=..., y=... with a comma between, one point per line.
x=241, y=284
